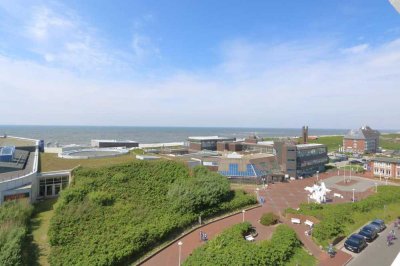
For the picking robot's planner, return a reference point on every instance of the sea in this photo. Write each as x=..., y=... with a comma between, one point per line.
x=82, y=135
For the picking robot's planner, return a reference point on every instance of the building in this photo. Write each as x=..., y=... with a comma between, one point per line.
x=248, y=166
x=385, y=167
x=206, y=142
x=20, y=177
x=7, y=153
x=103, y=143
x=362, y=140
x=301, y=159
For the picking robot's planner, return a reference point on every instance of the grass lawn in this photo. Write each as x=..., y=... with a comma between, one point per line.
x=40, y=222
x=301, y=258
x=354, y=168
x=50, y=162
x=390, y=141
x=332, y=142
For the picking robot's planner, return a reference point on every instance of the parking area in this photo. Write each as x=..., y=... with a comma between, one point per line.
x=377, y=252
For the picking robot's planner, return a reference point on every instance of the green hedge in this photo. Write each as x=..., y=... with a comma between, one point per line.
x=14, y=219
x=269, y=219
x=338, y=220
x=114, y=215
x=230, y=248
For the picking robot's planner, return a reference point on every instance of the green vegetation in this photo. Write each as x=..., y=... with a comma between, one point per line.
x=230, y=248
x=332, y=142
x=301, y=258
x=339, y=220
x=14, y=219
x=269, y=219
x=50, y=162
x=112, y=216
x=40, y=222
x=390, y=141
x=355, y=168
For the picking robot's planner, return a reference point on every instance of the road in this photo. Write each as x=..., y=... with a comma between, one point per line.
x=377, y=252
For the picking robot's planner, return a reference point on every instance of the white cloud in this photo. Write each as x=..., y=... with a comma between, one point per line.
x=279, y=88
x=356, y=49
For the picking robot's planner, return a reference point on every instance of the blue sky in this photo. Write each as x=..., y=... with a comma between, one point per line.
x=328, y=64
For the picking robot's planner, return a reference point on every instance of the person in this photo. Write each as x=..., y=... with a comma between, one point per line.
x=201, y=235
x=389, y=239
x=393, y=234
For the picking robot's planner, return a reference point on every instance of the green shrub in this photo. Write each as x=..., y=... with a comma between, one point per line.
x=230, y=248
x=269, y=219
x=113, y=215
x=101, y=198
x=14, y=218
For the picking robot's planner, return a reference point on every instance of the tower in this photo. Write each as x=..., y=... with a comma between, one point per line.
x=305, y=134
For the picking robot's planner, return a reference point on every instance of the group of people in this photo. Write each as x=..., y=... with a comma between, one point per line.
x=203, y=236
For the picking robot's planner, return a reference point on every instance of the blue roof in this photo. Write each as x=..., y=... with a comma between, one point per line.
x=7, y=150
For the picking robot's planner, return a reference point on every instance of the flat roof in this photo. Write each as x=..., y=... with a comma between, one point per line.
x=18, y=142
x=209, y=138
x=386, y=160
x=114, y=140
x=310, y=145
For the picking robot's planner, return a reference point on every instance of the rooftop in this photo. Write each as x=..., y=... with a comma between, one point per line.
x=386, y=160
x=7, y=150
x=310, y=145
x=114, y=140
x=208, y=138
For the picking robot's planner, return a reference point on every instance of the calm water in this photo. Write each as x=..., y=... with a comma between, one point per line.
x=83, y=134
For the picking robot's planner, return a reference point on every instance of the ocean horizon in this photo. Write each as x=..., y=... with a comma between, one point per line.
x=82, y=135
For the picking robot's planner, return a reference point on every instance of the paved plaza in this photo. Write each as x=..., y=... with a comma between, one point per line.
x=278, y=196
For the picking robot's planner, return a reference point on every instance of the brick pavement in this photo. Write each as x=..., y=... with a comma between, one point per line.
x=279, y=196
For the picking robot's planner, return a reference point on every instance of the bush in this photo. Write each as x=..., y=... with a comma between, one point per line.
x=121, y=212
x=14, y=218
x=269, y=219
x=230, y=248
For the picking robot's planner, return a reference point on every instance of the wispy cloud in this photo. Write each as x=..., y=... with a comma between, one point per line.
x=356, y=49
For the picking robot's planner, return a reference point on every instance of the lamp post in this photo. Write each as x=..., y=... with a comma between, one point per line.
x=350, y=170
x=353, y=194
x=180, y=251
x=386, y=178
x=317, y=175
x=243, y=211
x=263, y=180
x=376, y=187
x=257, y=189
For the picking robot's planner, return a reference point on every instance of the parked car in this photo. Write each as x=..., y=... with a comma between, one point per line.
x=355, y=243
x=378, y=224
x=369, y=232
x=356, y=162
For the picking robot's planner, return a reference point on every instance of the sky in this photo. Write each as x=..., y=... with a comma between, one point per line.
x=326, y=64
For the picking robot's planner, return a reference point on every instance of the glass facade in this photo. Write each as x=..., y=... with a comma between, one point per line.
x=51, y=187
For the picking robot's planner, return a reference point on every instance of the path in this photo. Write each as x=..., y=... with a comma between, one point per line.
x=279, y=196
x=40, y=225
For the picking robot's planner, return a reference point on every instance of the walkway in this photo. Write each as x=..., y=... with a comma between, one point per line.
x=279, y=196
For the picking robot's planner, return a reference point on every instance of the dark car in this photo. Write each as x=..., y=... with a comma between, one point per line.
x=355, y=243
x=378, y=224
x=369, y=232
x=356, y=162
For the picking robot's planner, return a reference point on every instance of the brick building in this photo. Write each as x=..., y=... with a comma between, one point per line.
x=206, y=143
x=362, y=140
x=385, y=167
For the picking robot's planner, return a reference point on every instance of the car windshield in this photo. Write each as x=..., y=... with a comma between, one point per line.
x=365, y=232
x=353, y=241
x=376, y=224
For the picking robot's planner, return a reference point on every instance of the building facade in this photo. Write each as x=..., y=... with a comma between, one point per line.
x=98, y=143
x=301, y=159
x=206, y=143
x=362, y=140
x=385, y=167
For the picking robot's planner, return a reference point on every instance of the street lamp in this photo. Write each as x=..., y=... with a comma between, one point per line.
x=243, y=211
x=376, y=187
x=257, y=189
x=386, y=177
x=317, y=175
x=180, y=251
x=353, y=193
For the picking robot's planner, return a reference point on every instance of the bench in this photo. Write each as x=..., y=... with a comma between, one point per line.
x=309, y=223
x=337, y=195
x=249, y=238
x=296, y=221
